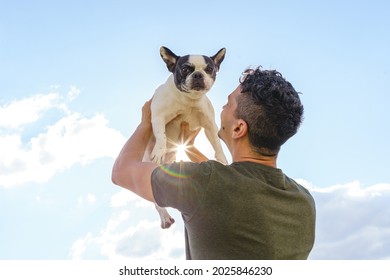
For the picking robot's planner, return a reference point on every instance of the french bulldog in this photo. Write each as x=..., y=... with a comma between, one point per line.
x=182, y=98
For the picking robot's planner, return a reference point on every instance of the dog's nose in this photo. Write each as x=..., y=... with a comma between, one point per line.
x=197, y=75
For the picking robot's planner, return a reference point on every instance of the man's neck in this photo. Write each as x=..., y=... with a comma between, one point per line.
x=248, y=155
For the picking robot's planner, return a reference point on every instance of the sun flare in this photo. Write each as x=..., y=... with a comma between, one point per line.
x=181, y=152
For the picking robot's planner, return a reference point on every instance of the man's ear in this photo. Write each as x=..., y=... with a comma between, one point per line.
x=240, y=129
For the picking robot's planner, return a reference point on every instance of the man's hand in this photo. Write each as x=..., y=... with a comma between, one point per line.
x=146, y=118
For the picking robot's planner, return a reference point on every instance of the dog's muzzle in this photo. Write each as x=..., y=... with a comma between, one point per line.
x=197, y=81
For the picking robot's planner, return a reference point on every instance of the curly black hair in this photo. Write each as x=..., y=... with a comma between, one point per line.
x=271, y=107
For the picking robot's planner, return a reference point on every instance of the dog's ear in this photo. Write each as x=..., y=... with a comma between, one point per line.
x=218, y=57
x=169, y=58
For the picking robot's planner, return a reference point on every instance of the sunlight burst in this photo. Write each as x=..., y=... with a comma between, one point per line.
x=181, y=152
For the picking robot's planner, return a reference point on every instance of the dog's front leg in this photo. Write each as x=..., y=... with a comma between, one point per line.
x=211, y=132
x=160, y=148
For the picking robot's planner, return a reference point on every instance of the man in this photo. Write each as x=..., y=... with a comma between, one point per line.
x=246, y=210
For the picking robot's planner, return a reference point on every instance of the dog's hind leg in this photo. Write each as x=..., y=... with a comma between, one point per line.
x=166, y=219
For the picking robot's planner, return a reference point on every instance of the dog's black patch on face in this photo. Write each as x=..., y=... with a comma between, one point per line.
x=182, y=71
x=210, y=68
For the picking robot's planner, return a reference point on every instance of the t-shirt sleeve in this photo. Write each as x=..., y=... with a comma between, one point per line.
x=181, y=185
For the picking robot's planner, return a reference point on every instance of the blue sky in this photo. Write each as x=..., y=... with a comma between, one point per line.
x=75, y=74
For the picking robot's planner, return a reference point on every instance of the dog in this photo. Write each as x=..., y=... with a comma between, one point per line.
x=182, y=98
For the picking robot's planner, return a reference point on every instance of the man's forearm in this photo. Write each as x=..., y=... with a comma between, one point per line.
x=129, y=171
x=195, y=155
x=134, y=149
x=131, y=154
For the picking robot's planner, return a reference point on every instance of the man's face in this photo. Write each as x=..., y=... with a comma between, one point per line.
x=228, y=116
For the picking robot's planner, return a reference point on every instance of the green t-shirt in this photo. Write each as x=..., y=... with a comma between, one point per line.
x=239, y=211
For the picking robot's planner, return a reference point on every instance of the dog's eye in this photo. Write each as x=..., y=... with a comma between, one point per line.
x=186, y=70
x=209, y=69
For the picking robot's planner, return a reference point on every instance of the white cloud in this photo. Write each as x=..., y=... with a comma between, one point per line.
x=73, y=93
x=73, y=139
x=91, y=198
x=128, y=234
x=122, y=198
x=28, y=110
x=79, y=246
x=353, y=222
x=126, y=197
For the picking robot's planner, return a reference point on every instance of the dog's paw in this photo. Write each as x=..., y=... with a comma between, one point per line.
x=158, y=155
x=166, y=219
x=167, y=222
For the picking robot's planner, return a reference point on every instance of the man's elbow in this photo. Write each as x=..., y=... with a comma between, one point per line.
x=134, y=178
x=116, y=176
x=122, y=177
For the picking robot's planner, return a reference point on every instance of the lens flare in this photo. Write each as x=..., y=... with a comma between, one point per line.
x=173, y=173
x=181, y=154
x=180, y=150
